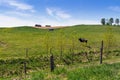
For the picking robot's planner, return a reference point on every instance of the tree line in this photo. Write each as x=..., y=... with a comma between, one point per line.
x=110, y=21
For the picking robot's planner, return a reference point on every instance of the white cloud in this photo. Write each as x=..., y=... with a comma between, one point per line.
x=7, y=21
x=63, y=15
x=10, y=21
x=17, y=4
x=49, y=11
x=11, y=18
x=67, y=19
x=115, y=8
x=58, y=13
x=16, y=13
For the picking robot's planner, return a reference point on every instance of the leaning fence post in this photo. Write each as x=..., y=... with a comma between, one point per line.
x=101, y=52
x=52, y=65
x=25, y=69
x=24, y=63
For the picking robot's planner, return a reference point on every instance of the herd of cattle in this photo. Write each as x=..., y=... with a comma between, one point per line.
x=38, y=25
x=51, y=29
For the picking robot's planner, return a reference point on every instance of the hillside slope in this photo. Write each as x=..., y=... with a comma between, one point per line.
x=14, y=41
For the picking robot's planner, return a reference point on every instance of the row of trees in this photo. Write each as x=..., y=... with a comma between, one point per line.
x=110, y=21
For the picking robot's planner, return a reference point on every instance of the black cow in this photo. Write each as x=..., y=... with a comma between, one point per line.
x=83, y=40
x=37, y=25
x=47, y=25
x=51, y=29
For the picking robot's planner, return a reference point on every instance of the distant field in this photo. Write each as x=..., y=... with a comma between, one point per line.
x=14, y=41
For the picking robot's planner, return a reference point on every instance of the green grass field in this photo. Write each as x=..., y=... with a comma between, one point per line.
x=101, y=72
x=13, y=41
x=62, y=41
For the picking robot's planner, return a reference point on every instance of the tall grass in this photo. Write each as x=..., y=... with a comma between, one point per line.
x=94, y=72
x=104, y=72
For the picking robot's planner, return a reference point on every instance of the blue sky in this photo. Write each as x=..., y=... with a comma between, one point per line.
x=56, y=12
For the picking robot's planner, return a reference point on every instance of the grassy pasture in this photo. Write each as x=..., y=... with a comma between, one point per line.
x=13, y=41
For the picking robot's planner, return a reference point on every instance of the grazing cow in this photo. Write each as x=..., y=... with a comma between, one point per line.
x=37, y=25
x=83, y=40
x=48, y=25
x=51, y=29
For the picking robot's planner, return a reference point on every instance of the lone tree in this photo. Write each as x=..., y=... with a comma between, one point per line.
x=117, y=21
x=111, y=21
x=103, y=21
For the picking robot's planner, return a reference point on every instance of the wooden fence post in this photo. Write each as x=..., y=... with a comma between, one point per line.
x=101, y=52
x=24, y=63
x=52, y=65
x=25, y=69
